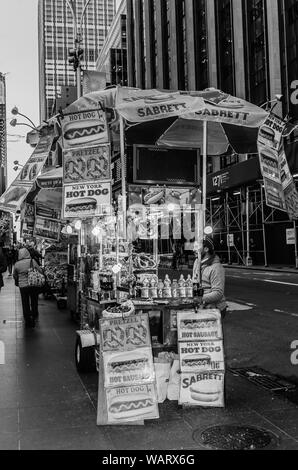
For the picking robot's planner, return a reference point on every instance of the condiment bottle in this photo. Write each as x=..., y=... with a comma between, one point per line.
x=160, y=288
x=182, y=288
x=189, y=287
x=175, y=289
x=153, y=289
x=167, y=292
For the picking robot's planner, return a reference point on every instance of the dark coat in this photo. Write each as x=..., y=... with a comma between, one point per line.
x=3, y=266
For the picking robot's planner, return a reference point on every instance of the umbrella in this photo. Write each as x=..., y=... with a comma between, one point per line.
x=210, y=119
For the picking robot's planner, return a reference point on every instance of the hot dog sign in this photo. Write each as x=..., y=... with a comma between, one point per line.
x=86, y=200
x=84, y=129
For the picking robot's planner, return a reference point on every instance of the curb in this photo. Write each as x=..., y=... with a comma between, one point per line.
x=257, y=268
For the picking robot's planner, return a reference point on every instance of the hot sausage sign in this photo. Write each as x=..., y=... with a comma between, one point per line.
x=84, y=129
x=86, y=199
x=86, y=164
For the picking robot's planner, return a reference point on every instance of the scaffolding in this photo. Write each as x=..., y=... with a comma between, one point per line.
x=242, y=223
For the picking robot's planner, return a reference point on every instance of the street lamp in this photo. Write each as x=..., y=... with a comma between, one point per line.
x=15, y=111
x=76, y=54
x=15, y=123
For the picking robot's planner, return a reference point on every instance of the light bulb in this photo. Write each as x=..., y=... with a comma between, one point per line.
x=96, y=231
x=78, y=225
x=69, y=229
x=116, y=268
x=208, y=230
x=171, y=207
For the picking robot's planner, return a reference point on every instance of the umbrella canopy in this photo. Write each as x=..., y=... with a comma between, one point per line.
x=231, y=122
x=175, y=119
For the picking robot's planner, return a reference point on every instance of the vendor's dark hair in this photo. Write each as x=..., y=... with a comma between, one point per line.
x=209, y=243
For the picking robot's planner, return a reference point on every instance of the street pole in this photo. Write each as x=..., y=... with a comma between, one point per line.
x=123, y=173
x=247, y=227
x=204, y=178
x=77, y=42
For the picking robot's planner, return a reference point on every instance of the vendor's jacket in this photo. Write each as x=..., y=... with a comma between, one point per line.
x=213, y=282
x=22, y=267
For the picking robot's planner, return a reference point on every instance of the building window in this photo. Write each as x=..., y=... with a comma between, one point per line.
x=201, y=44
x=225, y=46
x=181, y=45
x=289, y=54
x=258, y=90
x=229, y=159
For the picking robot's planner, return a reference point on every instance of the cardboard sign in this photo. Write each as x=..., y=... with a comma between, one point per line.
x=86, y=164
x=129, y=367
x=86, y=199
x=46, y=228
x=84, y=128
x=204, y=325
x=13, y=197
x=202, y=389
x=125, y=333
x=201, y=356
x=291, y=236
x=136, y=402
x=270, y=133
x=34, y=165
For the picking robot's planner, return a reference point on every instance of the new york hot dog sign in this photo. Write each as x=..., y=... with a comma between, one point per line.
x=84, y=128
x=87, y=199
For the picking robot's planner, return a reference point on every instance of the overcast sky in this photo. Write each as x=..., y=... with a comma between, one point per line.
x=19, y=59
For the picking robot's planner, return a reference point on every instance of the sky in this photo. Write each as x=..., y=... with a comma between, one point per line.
x=19, y=59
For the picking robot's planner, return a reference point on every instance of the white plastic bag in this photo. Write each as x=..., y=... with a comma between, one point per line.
x=174, y=381
x=162, y=373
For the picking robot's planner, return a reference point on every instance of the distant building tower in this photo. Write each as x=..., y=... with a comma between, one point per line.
x=3, y=137
x=56, y=38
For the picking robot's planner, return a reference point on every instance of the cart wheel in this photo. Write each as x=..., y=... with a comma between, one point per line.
x=84, y=358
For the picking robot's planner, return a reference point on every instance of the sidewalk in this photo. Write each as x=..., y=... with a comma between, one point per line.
x=45, y=404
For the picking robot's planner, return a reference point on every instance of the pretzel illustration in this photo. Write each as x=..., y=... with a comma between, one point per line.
x=136, y=335
x=76, y=173
x=113, y=337
x=97, y=168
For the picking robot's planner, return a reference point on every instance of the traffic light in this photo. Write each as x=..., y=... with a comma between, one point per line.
x=73, y=58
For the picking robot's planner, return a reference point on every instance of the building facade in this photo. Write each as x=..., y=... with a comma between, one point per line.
x=248, y=48
x=244, y=47
x=56, y=38
x=3, y=135
x=112, y=59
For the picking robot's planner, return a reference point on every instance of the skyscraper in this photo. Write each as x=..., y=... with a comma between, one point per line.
x=3, y=140
x=56, y=38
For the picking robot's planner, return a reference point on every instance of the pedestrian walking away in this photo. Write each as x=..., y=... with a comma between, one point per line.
x=212, y=277
x=29, y=295
x=10, y=255
x=3, y=264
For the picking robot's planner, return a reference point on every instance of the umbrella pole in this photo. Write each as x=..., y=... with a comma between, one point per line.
x=204, y=179
x=123, y=174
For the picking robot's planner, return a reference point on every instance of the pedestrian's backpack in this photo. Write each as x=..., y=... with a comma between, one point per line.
x=35, y=278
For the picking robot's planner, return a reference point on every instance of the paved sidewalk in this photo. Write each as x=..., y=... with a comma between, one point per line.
x=45, y=404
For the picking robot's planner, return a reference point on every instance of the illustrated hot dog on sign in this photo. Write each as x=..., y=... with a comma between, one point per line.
x=85, y=128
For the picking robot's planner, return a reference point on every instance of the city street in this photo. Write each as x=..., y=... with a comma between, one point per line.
x=265, y=332
x=46, y=404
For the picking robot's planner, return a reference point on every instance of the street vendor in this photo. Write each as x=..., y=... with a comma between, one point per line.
x=212, y=275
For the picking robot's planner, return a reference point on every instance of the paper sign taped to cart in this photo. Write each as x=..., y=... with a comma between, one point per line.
x=125, y=333
x=201, y=356
x=203, y=325
x=128, y=367
x=137, y=402
x=84, y=128
x=86, y=164
x=86, y=199
x=202, y=389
